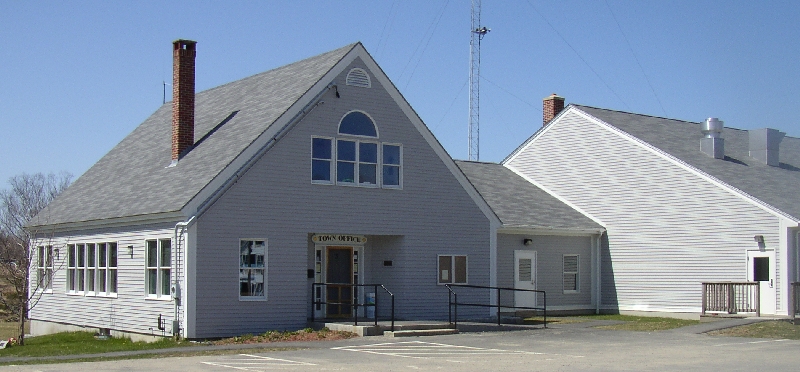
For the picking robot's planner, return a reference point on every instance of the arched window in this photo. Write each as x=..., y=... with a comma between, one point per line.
x=359, y=124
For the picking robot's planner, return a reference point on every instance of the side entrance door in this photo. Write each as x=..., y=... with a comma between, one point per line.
x=761, y=269
x=339, y=270
x=524, y=278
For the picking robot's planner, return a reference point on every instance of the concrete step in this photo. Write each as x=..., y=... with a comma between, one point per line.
x=421, y=332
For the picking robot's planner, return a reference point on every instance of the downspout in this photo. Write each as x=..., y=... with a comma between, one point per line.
x=598, y=273
x=180, y=229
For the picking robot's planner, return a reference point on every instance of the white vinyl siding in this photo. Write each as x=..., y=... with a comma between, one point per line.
x=127, y=310
x=275, y=199
x=668, y=228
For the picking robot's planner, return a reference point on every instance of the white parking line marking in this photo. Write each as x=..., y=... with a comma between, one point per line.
x=428, y=350
x=753, y=342
x=251, y=362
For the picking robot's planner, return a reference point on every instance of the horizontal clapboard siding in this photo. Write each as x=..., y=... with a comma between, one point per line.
x=275, y=200
x=668, y=228
x=130, y=311
x=549, y=254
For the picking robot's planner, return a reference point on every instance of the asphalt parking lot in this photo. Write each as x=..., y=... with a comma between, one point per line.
x=557, y=348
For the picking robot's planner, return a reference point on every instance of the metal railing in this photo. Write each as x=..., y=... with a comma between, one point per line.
x=316, y=300
x=452, y=306
x=732, y=297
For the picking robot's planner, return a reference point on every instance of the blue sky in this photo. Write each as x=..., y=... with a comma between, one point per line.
x=76, y=77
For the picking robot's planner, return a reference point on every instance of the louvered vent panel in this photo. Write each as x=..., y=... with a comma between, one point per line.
x=358, y=78
x=525, y=270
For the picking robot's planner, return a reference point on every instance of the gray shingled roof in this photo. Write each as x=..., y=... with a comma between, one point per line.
x=776, y=186
x=519, y=203
x=133, y=178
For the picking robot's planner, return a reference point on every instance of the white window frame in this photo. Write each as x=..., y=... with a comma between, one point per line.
x=265, y=275
x=110, y=271
x=451, y=273
x=331, y=161
x=44, y=268
x=399, y=185
x=577, y=274
x=86, y=273
x=159, y=268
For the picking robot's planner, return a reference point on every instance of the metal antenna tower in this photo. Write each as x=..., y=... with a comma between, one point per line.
x=478, y=33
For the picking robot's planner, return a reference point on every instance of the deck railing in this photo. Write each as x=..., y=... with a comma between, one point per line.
x=732, y=297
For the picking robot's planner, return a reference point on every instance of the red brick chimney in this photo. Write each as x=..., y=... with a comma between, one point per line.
x=551, y=106
x=183, y=55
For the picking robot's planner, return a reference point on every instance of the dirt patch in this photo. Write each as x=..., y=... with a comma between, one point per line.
x=307, y=334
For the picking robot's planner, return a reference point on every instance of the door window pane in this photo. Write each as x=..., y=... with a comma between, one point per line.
x=760, y=269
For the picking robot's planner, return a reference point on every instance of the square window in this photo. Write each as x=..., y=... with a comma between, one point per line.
x=452, y=269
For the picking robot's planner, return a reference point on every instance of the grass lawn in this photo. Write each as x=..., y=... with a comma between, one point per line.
x=81, y=343
x=74, y=343
x=630, y=322
x=777, y=329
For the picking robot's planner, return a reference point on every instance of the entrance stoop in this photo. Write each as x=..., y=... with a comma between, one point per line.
x=401, y=329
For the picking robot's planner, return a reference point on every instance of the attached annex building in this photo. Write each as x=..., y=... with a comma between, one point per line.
x=217, y=215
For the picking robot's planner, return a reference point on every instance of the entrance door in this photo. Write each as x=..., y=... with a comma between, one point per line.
x=525, y=278
x=761, y=269
x=339, y=270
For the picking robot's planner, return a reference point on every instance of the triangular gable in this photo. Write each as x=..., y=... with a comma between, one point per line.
x=296, y=112
x=649, y=147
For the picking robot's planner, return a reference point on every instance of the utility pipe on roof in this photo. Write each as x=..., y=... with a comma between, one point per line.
x=180, y=229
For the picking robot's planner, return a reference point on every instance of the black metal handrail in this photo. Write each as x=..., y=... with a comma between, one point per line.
x=355, y=304
x=452, y=306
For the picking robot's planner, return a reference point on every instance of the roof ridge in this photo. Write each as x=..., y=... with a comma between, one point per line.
x=664, y=118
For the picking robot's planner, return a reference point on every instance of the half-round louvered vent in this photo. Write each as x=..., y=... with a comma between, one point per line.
x=358, y=78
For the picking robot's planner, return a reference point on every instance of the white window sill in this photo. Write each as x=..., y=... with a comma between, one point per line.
x=253, y=299
x=158, y=298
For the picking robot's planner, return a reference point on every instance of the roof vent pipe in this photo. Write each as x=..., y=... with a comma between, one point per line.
x=183, y=56
x=712, y=144
x=764, y=145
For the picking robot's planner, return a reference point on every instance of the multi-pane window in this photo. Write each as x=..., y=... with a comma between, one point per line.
x=252, y=269
x=452, y=269
x=44, y=266
x=571, y=283
x=159, y=260
x=321, y=159
x=92, y=268
x=391, y=165
x=357, y=162
x=354, y=161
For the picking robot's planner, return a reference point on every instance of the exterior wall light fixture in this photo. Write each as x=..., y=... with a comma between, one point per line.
x=527, y=241
x=130, y=250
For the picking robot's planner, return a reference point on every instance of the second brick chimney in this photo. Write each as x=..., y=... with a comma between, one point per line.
x=183, y=56
x=551, y=106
